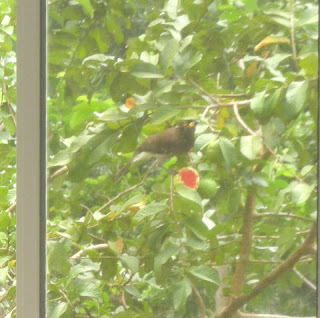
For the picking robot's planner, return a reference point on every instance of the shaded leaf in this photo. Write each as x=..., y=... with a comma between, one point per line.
x=296, y=97
x=146, y=70
x=206, y=273
x=164, y=255
x=182, y=292
x=149, y=210
x=163, y=114
x=189, y=194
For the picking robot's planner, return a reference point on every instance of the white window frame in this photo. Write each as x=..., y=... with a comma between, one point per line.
x=31, y=158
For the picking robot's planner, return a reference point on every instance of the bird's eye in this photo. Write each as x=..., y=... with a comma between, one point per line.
x=192, y=124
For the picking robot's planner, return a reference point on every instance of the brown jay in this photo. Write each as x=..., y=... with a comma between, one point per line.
x=164, y=145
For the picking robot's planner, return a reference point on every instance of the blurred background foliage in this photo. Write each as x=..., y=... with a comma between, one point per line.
x=145, y=247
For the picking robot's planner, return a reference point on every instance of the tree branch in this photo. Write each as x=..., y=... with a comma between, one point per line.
x=239, y=275
x=119, y=195
x=89, y=248
x=270, y=278
x=242, y=123
x=292, y=33
x=199, y=301
x=305, y=279
x=282, y=214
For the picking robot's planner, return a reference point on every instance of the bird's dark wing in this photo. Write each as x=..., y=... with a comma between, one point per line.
x=165, y=142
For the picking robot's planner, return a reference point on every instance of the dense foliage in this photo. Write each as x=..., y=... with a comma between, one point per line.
x=8, y=156
x=147, y=246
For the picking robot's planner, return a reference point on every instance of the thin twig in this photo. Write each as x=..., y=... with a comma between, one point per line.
x=214, y=99
x=262, y=261
x=119, y=195
x=242, y=123
x=219, y=105
x=89, y=248
x=123, y=300
x=222, y=237
x=58, y=172
x=282, y=214
x=67, y=299
x=305, y=279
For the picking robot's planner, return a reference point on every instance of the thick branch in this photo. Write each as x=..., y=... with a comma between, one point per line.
x=245, y=247
x=270, y=278
x=199, y=301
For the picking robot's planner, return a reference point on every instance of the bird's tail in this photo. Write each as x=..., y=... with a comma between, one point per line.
x=123, y=170
x=140, y=156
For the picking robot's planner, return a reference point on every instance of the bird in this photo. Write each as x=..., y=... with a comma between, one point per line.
x=164, y=145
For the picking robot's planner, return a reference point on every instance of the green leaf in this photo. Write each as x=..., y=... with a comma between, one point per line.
x=66, y=155
x=133, y=291
x=309, y=63
x=81, y=114
x=250, y=146
x=184, y=62
x=229, y=152
x=4, y=259
x=197, y=227
x=57, y=310
x=149, y=210
x=86, y=5
x=164, y=255
x=114, y=27
x=146, y=70
x=167, y=54
x=172, y=7
x=296, y=96
x=203, y=140
x=163, y=114
x=84, y=267
x=3, y=275
x=301, y=193
x=131, y=262
x=181, y=293
x=257, y=103
x=181, y=22
x=58, y=258
x=206, y=273
x=308, y=16
x=189, y=194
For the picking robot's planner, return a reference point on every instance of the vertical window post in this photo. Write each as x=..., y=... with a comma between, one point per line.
x=31, y=158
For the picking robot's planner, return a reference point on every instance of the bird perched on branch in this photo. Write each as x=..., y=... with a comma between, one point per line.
x=164, y=145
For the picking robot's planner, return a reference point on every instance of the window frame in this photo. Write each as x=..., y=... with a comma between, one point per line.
x=31, y=158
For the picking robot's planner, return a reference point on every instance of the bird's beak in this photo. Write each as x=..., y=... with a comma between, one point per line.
x=192, y=124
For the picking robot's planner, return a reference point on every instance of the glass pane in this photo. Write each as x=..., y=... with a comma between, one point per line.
x=8, y=157
x=182, y=158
